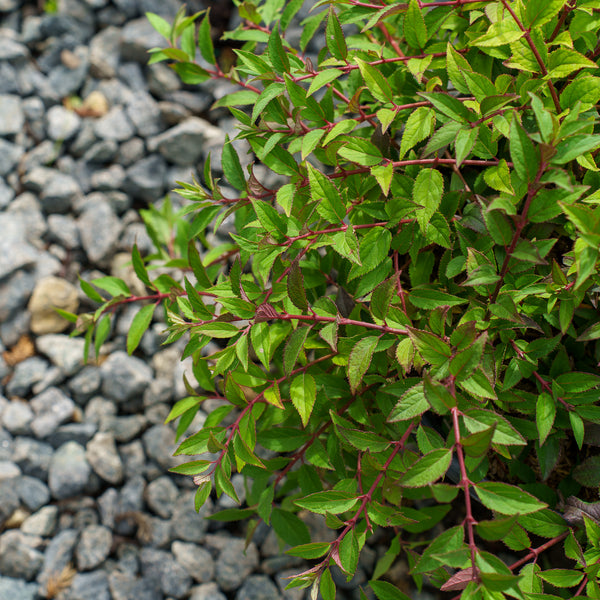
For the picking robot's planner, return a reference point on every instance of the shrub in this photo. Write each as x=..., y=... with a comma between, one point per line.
x=408, y=320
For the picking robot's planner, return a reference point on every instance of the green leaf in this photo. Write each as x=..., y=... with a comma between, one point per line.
x=545, y=412
x=523, y=153
x=294, y=346
x=268, y=216
x=431, y=347
x=427, y=192
x=383, y=175
x=289, y=527
x=138, y=326
x=330, y=205
x=310, y=551
x=585, y=89
x=411, y=404
x=102, y=331
x=139, y=266
x=329, y=501
x=310, y=141
x=449, y=106
x=429, y=299
x=205, y=41
x=561, y=578
x=277, y=54
x=303, y=393
x=113, y=285
x=375, y=82
x=232, y=167
x=427, y=469
x=90, y=292
x=267, y=95
x=507, y=499
x=327, y=586
x=562, y=62
x=334, y=36
x=359, y=361
x=348, y=552
x=578, y=428
x=465, y=140
x=478, y=419
x=159, y=24
x=415, y=30
x=588, y=472
x=241, y=98
x=572, y=147
x=456, y=65
x=217, y=329
x=340, y=128
x=418, y=126
x=384, y=590
x=539, y=12
x=361, y=152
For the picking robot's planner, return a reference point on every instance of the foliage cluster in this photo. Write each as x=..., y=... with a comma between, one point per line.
x=408, y=323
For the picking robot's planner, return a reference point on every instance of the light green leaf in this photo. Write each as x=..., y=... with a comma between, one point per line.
x=232, y=167
x=427, y=469
x=507, y=499
x=539, y=12
x=359, y=360
x=574, y=146
x=522, y=151
x=427, y=192
x=138, y=326
x=383, y=175
x=498, y=177
x=415, y=30
x=334, y=36
x=419, y=126
x=562, y=62
x=329, y=501
x=545, y=412
x=303, y=393
x=323, y=78
x=411, y=404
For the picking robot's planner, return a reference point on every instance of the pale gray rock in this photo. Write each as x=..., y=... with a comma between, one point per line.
x=25, y=375
x=15, y=251
x=52, y=408
x=89, y=586
x=18, y=556
x=235, y=563
x=9, y=470
x=17, y=418
x=42, y=523
x=12, y=117
x=101, y=152
x=137, y=37
x=102, y=455
x=58, y=554
x=9, y=503
x=62, y=124
x=108, y=179
x=105, y=53
x=125, y=586
x=182, y=144
x=69, y=471
x=115, y=125
x=258, y=587
x=10, y=155
x=207, y=591
x=124, y=377
x=172, y=577
x=33, y=457
x=161, y=495
x=65, y=352
x=56, y=190
x=67, y=78
x=93, y=547
x=144, y=113
x=81, y=433
x=17, y=589
x=145, y=178
x=63, y=230
x=99, y=229
x=85, y=384
x=197, y=561
x=33, y=493
x=124, y=428
x=6, y=193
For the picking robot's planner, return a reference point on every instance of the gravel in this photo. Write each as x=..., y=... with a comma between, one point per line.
x=89, y=134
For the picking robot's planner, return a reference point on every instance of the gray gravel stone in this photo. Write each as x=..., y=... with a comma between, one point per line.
x=102, y=454
x=207, y=591
x=161, y=495
x=42, y=522
x=65, y=352
x=114, y=125
x=25, y=375
x=89, y=586
x=93, y=547
x=99, y=229
x=18, y=556
x=145, y=178
x=6, y=194
x=17, y=589
x=235, y=564
x=12, y=117
x=162, y=80
x=101, y=152
x=15, y=252
x=9, y=502
x=137, y=37
x=17, y=418
x=182, y=144
x=124, y=377
x=108, y=179
x=9, y=470
x=33, y=457
x=56, y=190
x=144, y=113
x=258, y=587
x=105, y=53
x=48, y=294
x=63, y=230
x=52, y=408
x=58, y=554
x=159, y=443
x=124, y=586
x=69, y=471
x=197, y=561
x=62, y=124
x=124, y=429
x=85, y=384
x=130, y=151
x=32, y=492
x=172, y=577
x=67, y=78
x=10, y=155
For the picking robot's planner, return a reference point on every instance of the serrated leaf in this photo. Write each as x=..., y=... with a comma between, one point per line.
x=507, y=499
x=159, y=24
x=427, y=469
x=277, y=54
x=545, y=413
x=293, y=348
x=415, y=30
x=523, y=153
x=303, y=393
x=383, y=175
x=419, y=126
x=113, y=285
x=309, y=551
x=572, y=147
x=427, y=192
x=138, y=326
x=232, y=167
x=289, y=527
x=449, y=106
x=359, y=361
x=334, y=36
x=329, y=501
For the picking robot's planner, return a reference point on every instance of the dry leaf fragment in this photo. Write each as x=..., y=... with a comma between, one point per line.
x=23, y=349
x=58, y=582
x=575, y=509
x=458, y=581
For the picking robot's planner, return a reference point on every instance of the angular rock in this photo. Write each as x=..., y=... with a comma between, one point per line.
x=197, y=561
x=99, y=229
x=124, y=586
x=32, y=492
x=124, y=377
x=6, y=194
x=56, y=190
x=63, y=230
x=58, y=554
x=65, y=352
x=10, y=155
x=42, y=522
x=69, y=471
x=17, y=589
x=172, y=577
x=50, y=293
x=182, y=144
x=144, y=113
x=137, y=37
x=52, y=408
x=235, y=563
x=124, y=428
x=85, y=384
x=17, y=418
x=90, y=586
x=145, y=178
x=81, y=433
x=12, y=117
x=105, y=53
x=9, y=470
x=9, y=503
x=161, y=495
x=102, y=455
x=18, y=556
x=33, y=457
x=15, y=251
x=62, y=124
x=114, y=125
x=93, y=547
x=67, y=78
x=258, y=587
